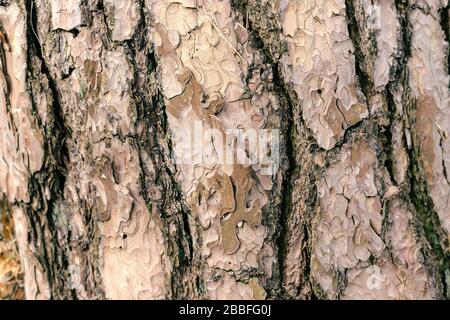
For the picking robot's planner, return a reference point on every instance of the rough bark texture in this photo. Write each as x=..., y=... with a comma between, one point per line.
x=97, y=96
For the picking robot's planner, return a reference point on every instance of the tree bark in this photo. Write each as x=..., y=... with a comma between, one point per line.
x=99, y=97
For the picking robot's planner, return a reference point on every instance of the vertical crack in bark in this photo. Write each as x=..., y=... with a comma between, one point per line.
x=398, y=76
x=288, y=133
x=400, y=70
x=155, y=140
x=363, y=53
x=445, y=25
x=52, y=174
x=288, y=181
x=428, y=227
x=300, y=172
x=363, y=59
x=416, y=193
x=364, y=79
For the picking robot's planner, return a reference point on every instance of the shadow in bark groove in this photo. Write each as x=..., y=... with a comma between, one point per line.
x=154, y=139
x=299, y=146
x=51, y=254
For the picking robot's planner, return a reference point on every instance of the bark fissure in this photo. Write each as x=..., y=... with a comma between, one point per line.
x=364, y=78
x=289, y=136
x=398, y=76
x=156, y=142
x=299, y=146
x=428, y=227
x=428, y=223
x=363, y=64
x=445, y=25
x=53, y=173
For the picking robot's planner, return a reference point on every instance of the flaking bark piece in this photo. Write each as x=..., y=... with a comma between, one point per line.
x=191, y=95
x=243, y=183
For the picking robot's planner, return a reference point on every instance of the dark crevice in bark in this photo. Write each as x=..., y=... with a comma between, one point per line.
x=3, y=65
x=289, y=135
x=397, y=78
x=445, y=25
x=416, y=194
x=346, y=138
x=399, y=73
x=437, y=257
x=288, y=181
x=363, y=60
x=154, y=140
x=386, y=136
x=364, y=79
x=288, y=132
x=101, y=11
x=365, y=44
x=299, y=146
x=51, y=175
x=404, y=49
x=444, y=167
x=434, y=237
x=5, y=3
x=341, y=283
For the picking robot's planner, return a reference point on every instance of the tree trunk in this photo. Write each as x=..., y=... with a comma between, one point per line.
x=113, y=116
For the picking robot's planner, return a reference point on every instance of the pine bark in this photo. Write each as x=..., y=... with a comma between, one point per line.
x=97, y=95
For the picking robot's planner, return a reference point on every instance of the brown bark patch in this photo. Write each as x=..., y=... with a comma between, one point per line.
x=425, y=122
